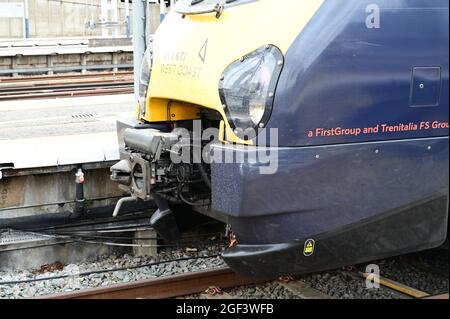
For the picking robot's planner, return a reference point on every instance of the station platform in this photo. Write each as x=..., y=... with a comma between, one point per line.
x=55, y=132
x=44, y=142
x=50, y=46
x=60, y=50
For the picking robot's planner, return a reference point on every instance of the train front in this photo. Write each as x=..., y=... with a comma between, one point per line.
x=229, y=124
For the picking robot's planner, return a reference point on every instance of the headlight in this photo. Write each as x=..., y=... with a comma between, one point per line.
x=144, y=78
x=247, y=90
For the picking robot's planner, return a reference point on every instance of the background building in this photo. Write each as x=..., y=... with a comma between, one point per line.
x=72, y=18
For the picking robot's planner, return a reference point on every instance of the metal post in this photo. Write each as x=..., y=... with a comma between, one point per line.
x=26, y=21
x=127, y=18
x=14, y=65
x=50, y=64
x=115, y=61
x=139, y=44
x=83, y=63
x=162, y=10
x=79, y=194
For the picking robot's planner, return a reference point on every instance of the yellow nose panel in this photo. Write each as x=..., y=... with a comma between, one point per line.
x=191, y=53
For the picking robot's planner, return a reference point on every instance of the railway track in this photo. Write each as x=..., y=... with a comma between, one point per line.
x=168, y=287
x=223, y=283
x=209, y=284
x=72, y=85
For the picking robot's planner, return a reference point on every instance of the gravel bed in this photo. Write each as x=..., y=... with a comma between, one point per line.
x=340, y=285
x=426, y=271
x=270, y=290
x=74, y=282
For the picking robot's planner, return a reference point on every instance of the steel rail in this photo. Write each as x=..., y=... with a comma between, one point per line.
x=64, y=88
x=41, y=84
x=397, y=286
x=90, y=92
x=68, y=68
x=441, y=297
x=63, y=76
x=166, y=287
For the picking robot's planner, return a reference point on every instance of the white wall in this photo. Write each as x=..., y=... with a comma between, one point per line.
x=59, y=18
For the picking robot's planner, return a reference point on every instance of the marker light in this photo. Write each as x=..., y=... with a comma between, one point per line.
x=247, y=90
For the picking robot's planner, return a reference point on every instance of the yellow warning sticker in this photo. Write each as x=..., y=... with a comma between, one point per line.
x=308, y=250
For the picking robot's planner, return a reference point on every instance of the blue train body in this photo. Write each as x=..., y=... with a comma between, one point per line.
x=362, y=121
x=340, y=74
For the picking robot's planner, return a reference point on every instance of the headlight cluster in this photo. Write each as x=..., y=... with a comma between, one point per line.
x=247, y=90
x=144, y=79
